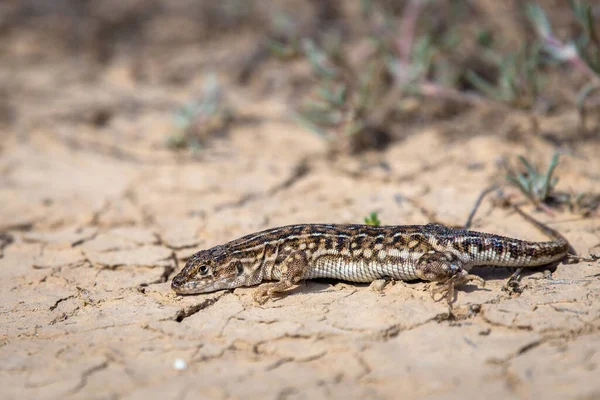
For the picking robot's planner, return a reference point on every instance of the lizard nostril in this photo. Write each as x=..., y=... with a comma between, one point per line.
x=177, y=281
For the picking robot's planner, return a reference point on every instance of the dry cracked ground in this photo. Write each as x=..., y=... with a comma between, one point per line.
x=96, y=218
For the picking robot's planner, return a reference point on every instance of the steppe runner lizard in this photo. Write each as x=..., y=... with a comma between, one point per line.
x=359, y=253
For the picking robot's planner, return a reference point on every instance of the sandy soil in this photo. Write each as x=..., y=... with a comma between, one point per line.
x=98, y=215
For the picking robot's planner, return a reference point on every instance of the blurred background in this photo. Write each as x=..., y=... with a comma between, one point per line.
x=170, y=80
x=359, y=73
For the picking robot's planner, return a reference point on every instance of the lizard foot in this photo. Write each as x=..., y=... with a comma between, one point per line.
x=379, y=285
x=292, y=269
x=270, y=291
x=447, y=288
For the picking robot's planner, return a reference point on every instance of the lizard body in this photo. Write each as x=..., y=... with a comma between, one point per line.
x=357, y=253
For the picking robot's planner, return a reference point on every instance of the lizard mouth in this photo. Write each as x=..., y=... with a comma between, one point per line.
x=182, y=286
x=186, y=288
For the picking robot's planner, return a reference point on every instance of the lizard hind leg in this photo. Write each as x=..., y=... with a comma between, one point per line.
x=447, y=288
x=292, y=271
x=446, y=271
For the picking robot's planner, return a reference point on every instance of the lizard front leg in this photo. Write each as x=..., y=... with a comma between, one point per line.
x=446, y=270
x=292, y=270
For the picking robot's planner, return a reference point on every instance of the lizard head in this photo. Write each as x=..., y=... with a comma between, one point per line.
x=208, y=271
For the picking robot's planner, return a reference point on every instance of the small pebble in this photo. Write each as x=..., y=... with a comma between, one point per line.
x=179, y=364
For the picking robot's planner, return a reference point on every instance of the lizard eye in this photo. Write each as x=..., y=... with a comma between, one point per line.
x=203, y=270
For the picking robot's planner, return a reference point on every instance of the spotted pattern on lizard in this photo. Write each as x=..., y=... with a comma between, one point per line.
x=356, y=253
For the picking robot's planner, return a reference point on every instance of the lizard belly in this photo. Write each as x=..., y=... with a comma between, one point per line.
x=359, y=270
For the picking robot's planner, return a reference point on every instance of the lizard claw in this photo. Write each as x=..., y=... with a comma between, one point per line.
x=262, y=295
x=447, y=288
x=270, y=291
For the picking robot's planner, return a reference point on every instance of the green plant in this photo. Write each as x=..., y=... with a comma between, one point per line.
x=362, y=97
x=372, y=219
x=583, y=51
x=195, y=122
x=519, y=77
x=344, y=99
x=282, y=42
x=540, y=188
x=535, y=185
x=582, y=203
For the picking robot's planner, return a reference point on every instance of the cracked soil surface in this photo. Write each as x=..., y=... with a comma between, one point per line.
x=97, y=218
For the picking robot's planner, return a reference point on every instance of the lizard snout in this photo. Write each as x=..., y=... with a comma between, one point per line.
x=177, y=282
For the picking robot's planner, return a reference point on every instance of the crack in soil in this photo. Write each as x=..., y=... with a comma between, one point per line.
x=57, y=302
x=5, y=240
x=87, y=373
x=189, y=311
x=84, y=240
x=394, y=330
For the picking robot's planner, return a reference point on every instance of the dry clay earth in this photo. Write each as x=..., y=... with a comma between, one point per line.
x=96, y=222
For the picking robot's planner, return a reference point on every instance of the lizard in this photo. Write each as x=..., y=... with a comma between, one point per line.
x=360, y=253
